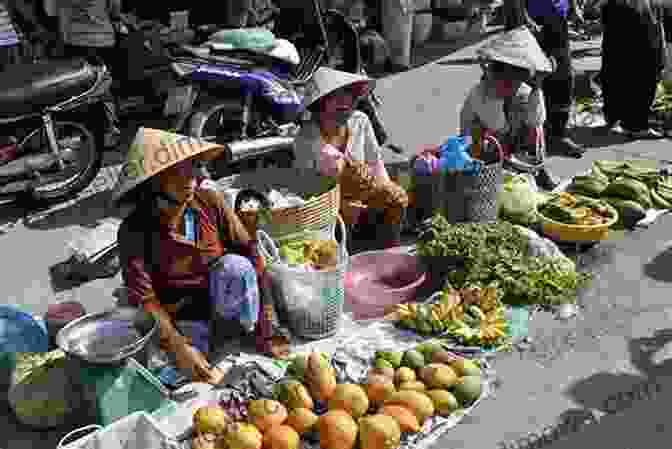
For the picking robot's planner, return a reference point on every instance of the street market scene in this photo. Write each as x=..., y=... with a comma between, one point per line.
x=335, y=224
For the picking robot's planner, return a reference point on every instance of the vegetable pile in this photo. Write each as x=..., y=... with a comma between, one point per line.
x=577, y=210
x=496, y=254
x=474, y=316
x=631, y=187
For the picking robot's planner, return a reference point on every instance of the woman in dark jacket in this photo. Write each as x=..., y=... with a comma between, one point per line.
x=631, y=40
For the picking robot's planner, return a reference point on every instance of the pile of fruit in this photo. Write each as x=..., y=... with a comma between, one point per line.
x=576, y=209
x=473, y=315
x=371, y=415
x=630, y=187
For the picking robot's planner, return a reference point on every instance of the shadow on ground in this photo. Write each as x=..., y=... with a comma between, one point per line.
x=614, y=406
x=659, y=267
x=597, y=137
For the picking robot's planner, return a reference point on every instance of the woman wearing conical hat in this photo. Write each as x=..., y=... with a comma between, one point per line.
x=508, y=102
x=340, y=141
x=177, y=242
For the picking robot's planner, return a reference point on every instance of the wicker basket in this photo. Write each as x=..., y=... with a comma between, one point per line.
x=319, y=212
x=323, y=290
x=473, y=199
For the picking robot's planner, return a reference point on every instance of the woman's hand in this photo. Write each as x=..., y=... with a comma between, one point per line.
x=191, y=359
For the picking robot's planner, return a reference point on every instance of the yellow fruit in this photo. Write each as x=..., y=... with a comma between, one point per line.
x=413, y=385
x=351, y=398
x=378, y=388
x=211, y=419
x=444, y=401
x=281, y=437
x=418, y=403
x=243, y=436
x=266, y=413
x=302, y=420
x=338, y=430
x=438, y=376
x=404, y=374
x=379, y=432
x=405, y=418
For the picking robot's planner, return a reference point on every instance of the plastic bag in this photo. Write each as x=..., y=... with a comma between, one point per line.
x=137, y=430
x=39, y=393
x=518, y=200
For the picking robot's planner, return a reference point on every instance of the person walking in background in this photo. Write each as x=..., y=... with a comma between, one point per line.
x=632, y=39
x=548, y=20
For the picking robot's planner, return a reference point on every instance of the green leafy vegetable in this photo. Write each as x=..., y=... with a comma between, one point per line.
x=496, y=254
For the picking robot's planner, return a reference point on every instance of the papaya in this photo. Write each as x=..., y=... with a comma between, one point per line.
x=281, y=437
x=302, y=420
x=293, y=394
x=337, y=430
x=404, y=374
x=408, y=422
x=351, y=398
x=379, y=432
x=378, y=388
x=413, y=385
x=266, y=413
x=418, y=403
x=320, y=377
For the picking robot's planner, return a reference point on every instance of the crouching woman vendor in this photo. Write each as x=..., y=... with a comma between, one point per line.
x=508, y=103
x=185, y=256
x=339, y=141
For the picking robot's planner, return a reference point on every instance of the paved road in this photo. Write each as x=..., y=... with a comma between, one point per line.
x=569, y=366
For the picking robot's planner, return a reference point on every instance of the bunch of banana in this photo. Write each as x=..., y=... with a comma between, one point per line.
x=488, y=300
x=447, y=312
x=493, y=327
x=419, y=317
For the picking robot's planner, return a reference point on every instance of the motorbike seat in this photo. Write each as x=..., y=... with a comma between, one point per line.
x=27, y=88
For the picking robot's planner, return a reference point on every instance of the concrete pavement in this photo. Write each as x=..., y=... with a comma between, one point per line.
x=569, y=367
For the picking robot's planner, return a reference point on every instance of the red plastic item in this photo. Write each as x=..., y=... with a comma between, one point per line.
x=379, y=280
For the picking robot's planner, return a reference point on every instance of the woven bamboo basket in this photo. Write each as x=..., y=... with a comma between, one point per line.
x=317, y=213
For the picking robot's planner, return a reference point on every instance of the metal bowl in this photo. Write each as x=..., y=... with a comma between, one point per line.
x=108, y=337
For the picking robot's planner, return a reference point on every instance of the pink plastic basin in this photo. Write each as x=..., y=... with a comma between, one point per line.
x=379, y=280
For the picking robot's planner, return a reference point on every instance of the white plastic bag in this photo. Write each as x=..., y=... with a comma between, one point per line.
x=135, y=431
x=518, y=200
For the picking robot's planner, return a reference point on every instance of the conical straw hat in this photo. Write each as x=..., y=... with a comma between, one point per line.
x=326, y=80
x=519, y=48
x=153, y=151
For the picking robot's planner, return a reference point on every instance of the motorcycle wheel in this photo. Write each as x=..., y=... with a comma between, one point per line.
x=217, y=123
x=81, y=157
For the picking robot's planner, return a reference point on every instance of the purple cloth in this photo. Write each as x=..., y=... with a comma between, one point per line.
x=8, y=39
x=234, y=291
x=545, y=8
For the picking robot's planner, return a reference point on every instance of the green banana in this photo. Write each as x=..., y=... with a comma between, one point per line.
x=658, y=201
x=477, y=312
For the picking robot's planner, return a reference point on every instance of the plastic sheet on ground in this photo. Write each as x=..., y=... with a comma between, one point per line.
x=352, y=352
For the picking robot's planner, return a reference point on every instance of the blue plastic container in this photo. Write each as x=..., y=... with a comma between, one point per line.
x=21, y=332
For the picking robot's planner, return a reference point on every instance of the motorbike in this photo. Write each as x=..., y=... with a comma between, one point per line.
x=54, y=115
x=252, y=103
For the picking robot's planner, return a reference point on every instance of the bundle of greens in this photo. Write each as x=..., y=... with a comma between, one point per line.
x=497, y=254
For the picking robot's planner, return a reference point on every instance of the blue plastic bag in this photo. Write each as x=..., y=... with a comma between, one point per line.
x=455, y=156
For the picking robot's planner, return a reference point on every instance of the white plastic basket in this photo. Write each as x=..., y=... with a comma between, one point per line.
x=135, y=431
x=312, y=300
